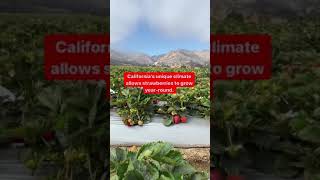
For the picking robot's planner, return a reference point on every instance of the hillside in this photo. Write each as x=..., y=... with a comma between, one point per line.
x=176, y=58
x=120, y=58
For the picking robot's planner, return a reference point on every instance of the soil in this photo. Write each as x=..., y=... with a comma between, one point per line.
x=197, y=157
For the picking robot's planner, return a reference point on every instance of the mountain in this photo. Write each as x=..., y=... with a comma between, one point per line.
x=175, y=58
x=121, y=58
x=180, y=58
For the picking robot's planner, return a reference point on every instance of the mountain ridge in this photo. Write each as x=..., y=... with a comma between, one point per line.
x=174, y=58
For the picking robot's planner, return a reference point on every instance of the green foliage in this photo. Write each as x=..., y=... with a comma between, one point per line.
x=275, y=122
x=62, y=123
x=153, y=161
x=133, y=104
x=80, y=126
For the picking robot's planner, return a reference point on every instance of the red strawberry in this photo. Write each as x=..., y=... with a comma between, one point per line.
x=176, y=119
x=48, y=136
x=183, y=119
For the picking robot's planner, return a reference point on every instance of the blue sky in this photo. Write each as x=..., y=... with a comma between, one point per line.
x=161, y=26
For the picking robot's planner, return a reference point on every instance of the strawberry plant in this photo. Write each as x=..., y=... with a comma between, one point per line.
x=62, y=124
x=186, y=102
x=70, y=129
x=153, y=161
x=134, y=107
x=273, y=125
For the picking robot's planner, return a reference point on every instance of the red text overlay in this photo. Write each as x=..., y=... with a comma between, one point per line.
x=246, y=57
x=159, y=82
x=77, y=57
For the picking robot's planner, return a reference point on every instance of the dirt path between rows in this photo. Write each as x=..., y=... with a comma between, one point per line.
x=197, y=157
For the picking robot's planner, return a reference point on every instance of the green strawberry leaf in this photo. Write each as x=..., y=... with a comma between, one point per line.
x=167, y=122
x=133, y=175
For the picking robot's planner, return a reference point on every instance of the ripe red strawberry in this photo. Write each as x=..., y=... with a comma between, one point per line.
x=48, y=136
x=176, y=119
x=183, y=119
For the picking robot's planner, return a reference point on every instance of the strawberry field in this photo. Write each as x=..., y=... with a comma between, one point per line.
x=58, y=130
x=271, y=126
x=157, y=160
x=63, y=126
x=137, y=108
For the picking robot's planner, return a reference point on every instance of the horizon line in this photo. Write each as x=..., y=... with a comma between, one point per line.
x=149, y=54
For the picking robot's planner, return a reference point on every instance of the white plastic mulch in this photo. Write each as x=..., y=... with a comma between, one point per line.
x=195, y=133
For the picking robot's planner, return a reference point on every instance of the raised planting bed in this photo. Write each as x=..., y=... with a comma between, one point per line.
x=194, y=133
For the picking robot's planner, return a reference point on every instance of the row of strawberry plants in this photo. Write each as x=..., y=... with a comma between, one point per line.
x=57, y=127
x=154, y=161
x=268, y=119
x=272, y=126
x=137, y=108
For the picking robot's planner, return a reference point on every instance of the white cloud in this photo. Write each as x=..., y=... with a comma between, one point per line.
x=124, y=16
x=180, y=18
x=173, y=18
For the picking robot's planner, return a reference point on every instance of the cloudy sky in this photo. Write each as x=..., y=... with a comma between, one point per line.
x=158, y=26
